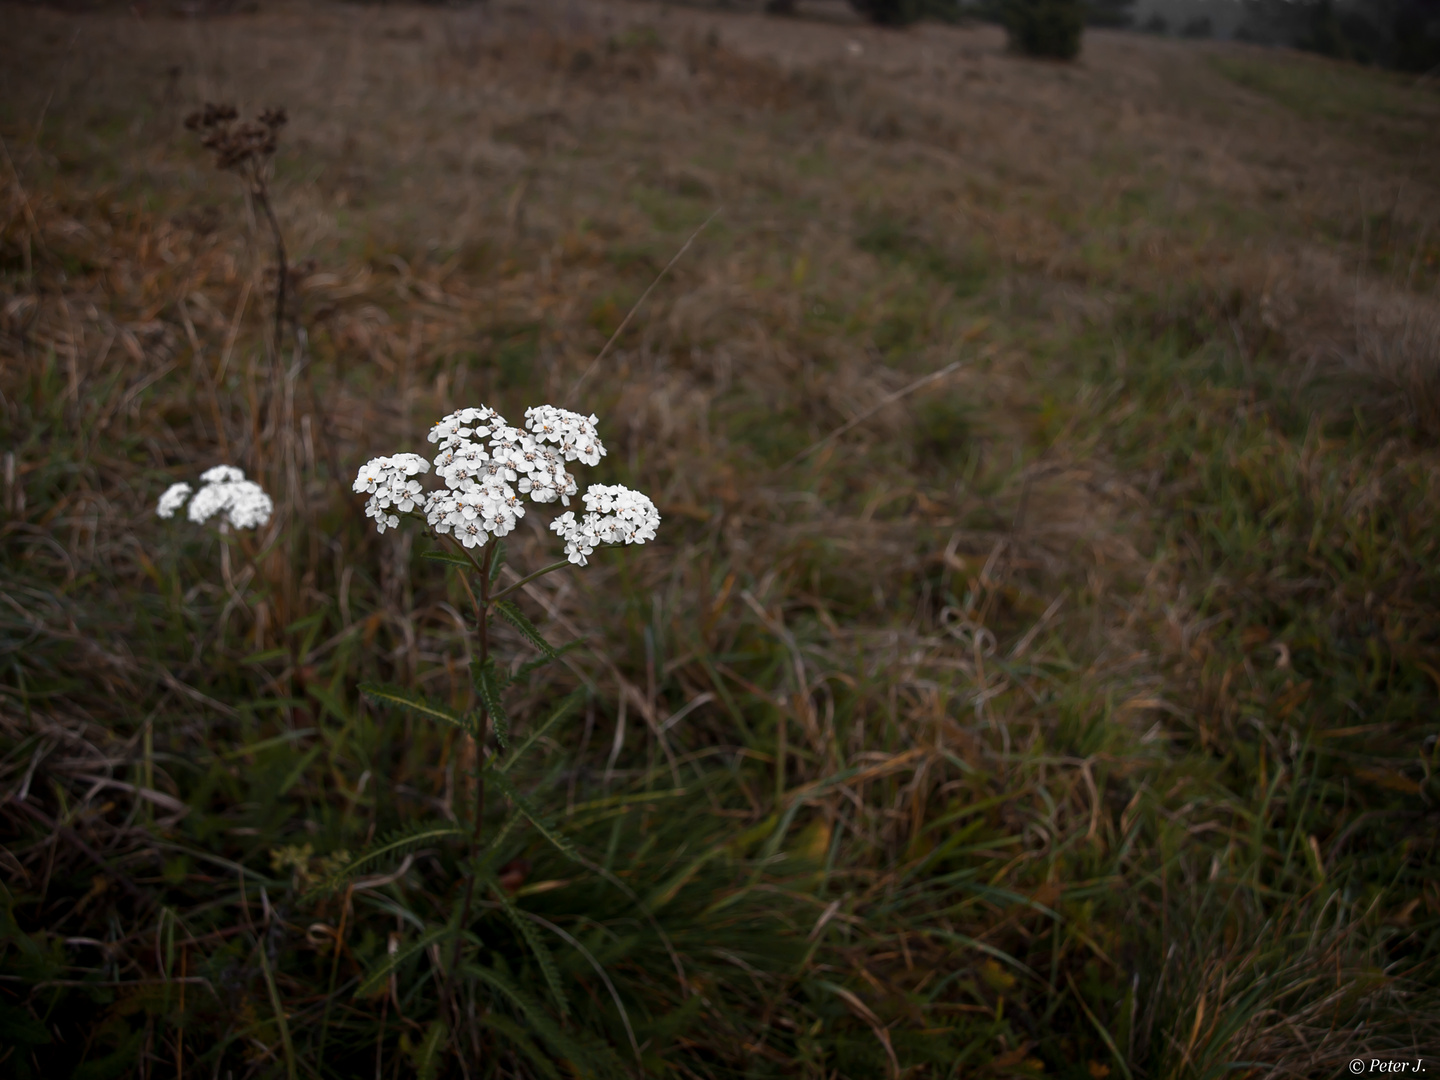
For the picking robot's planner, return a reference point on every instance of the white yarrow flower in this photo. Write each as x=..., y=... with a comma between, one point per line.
x=546, y=479
x=479, y=501
x=460, y=462
x=579, y=535
x=616, y=515
x=624, y=514
x=174, y=498
x=462, y=424
x=576, y=435
x=371, y=475
x=222, y=474
x=388, y=482
x=241, y=503
x=507, y=444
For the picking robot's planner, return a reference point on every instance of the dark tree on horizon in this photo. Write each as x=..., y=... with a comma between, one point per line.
x=1403, y=34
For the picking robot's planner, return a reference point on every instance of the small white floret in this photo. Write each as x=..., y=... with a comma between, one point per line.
x=222, y=474
x=174, y=498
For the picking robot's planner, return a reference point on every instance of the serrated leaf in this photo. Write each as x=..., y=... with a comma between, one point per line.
x=543, y=956
x=487, y=684
x=518, y=619
x=448, y=557
x=381, y=975
x=395, y=695
x=557, y=840
x=564, y=709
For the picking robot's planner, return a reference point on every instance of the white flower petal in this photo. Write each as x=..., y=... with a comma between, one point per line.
x=174, y=498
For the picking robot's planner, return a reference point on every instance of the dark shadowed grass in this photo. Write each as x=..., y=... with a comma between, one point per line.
x=1071, y=716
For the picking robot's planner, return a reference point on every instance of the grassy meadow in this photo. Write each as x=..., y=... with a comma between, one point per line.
x=1071, y=714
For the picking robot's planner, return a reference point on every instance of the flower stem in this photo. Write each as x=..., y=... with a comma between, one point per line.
x=482, y=613
x=261, y=193
x=526, y=580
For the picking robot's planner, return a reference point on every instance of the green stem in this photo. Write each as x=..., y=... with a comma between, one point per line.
x=526, y=580
x=483, y=615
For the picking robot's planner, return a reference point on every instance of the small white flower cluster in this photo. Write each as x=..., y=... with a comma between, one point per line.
x=387, y=480
x=243, y=503
x=615, y=514
x=574, y=434
x=487, y=467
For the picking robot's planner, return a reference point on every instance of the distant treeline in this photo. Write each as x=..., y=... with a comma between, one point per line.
x=1403, y=34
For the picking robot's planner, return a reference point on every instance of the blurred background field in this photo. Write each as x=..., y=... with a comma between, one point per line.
x=1072, y=715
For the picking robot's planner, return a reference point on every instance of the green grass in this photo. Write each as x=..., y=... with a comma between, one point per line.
x=1367, y=104
x=1329, y=91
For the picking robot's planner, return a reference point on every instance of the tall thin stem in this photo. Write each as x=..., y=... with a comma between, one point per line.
x=262, y=196
x=482, y=614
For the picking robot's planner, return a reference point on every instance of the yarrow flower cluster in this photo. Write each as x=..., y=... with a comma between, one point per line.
x=615, y=515
x=389, y=484
x=488, y=467
x=241, y=503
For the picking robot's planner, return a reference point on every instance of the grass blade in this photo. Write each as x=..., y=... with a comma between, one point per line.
x=377, y=979
x=597, y=1060
x=556, y=840
x=397, y=844
x=395, y=695
x=279, y=1008
x=567, y=706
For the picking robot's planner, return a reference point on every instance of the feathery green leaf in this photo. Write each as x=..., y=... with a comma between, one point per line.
x=487, y=684
x=543, y=956
x=518, y=619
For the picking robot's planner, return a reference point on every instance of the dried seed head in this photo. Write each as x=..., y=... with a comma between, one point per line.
x=217, y=114
x=236, y=144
